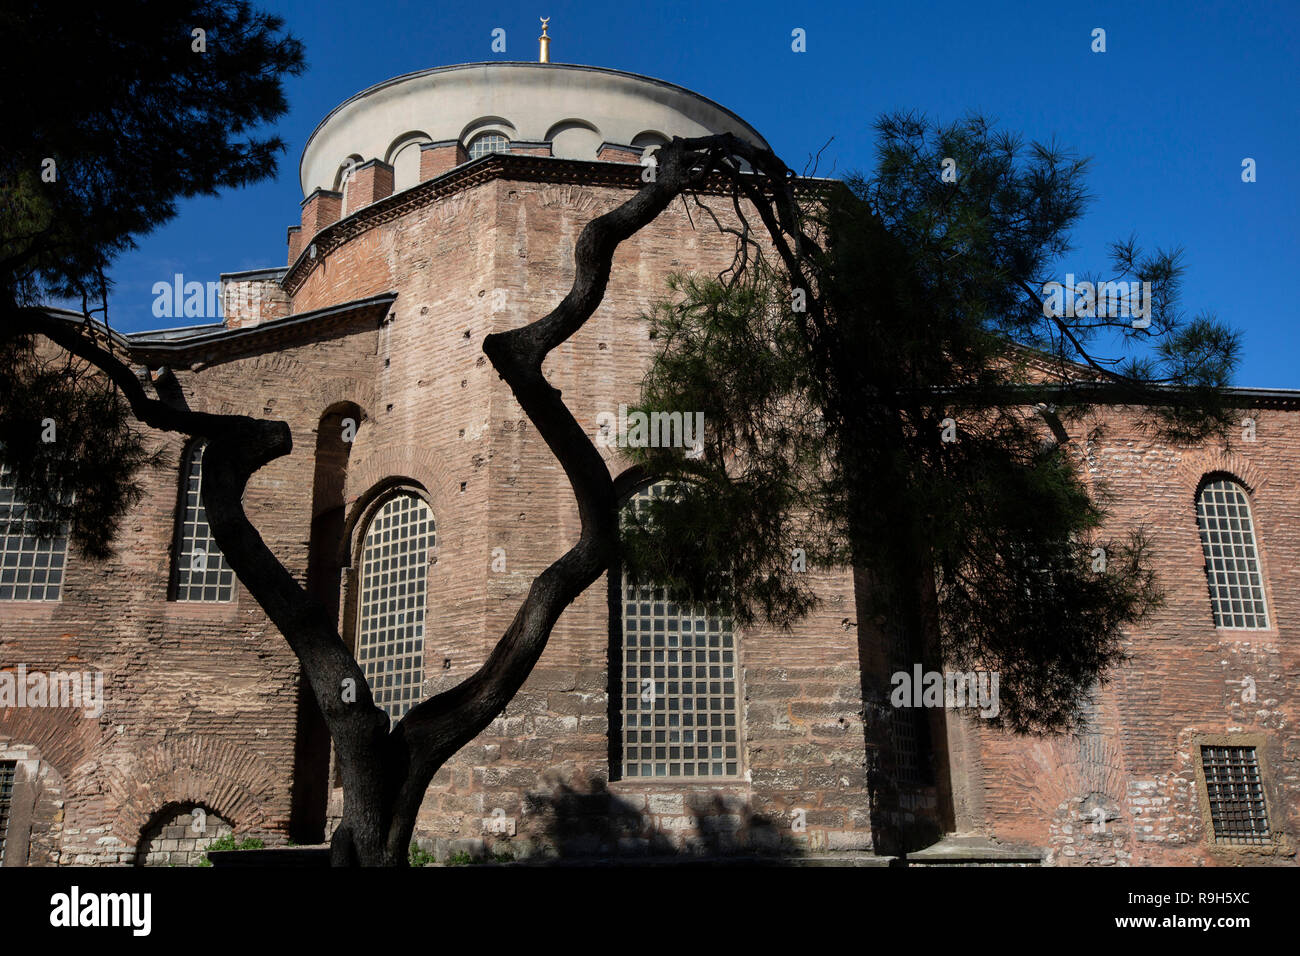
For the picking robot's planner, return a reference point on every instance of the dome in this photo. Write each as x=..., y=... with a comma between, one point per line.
x=573, y=108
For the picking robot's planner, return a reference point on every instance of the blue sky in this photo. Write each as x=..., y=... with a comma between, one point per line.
x=1184, y=92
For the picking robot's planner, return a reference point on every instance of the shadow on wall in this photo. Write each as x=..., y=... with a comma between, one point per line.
x=587, y=823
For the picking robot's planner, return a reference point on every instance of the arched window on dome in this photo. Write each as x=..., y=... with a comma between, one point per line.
x=343, y=178
x=574, y=139
x=199, y=569
x=649, y=142
x=394, y=565
x=1232, y=566
x=404, y=156
x=486, y=143
x=677, y=677
x=406, y=166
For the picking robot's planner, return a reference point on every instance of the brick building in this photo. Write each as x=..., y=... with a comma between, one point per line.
x=419, y=503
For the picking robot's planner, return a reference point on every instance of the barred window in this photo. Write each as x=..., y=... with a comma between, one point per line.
x=8, y=769
x=487, y=143
x=31, y=568
x=1231, y=558
x=680, y=683
x=909, y=728
x=199, y=569
x=390, y=622
x=1235, y=791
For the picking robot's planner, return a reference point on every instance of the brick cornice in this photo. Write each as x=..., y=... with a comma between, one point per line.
x=507, y=166
x=224, y=344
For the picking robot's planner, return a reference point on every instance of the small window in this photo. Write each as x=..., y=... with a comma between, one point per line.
x=200, y=570
x=406, y=166
x=31, y=568
x=487, y=143
x=8, y=770
x=343, y=178
x=1235, y=790
x=649, y=142
x=909, y=728
x=390, y=622
x=680, y=683
x=1231, y=558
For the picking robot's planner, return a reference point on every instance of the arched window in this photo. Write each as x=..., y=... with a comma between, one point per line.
x=31, y=568
x=487, y=143
x=574, y=139
x=390, y=613
x=404, y=156
x=680, y=682
x=199, y=569
x=649, y=142
x=1231, y=557
x=343, y=178
x=406, y=167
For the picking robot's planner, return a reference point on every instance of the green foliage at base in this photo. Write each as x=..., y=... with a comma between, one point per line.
x=228, y=842
x=418, y=857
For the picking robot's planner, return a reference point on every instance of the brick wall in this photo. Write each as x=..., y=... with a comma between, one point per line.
x=202, y=700
x=1184, y=679
x=182, y=838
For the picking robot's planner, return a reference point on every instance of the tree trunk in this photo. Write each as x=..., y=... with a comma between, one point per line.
x=387, y=769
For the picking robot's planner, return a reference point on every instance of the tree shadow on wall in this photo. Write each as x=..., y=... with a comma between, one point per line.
x=588, y=824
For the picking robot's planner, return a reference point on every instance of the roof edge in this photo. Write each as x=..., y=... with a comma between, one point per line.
x=141, y=343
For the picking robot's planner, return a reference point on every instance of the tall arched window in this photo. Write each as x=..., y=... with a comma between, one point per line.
x=31, y=568
x=1231, y=557
x=390, y=613
x=680, y=682
x=487, y=143
x=199, y=569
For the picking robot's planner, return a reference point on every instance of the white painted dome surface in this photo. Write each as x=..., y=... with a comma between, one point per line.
x=575, y=107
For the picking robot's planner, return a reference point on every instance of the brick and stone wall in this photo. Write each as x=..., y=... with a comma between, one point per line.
x=181, y=838
x=203, y=700
x=488, y=258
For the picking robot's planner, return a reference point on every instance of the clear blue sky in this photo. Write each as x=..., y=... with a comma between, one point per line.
x=1184, y=92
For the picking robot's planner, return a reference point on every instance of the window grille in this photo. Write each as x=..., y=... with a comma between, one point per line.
x=680, y=683
x=488, y=143
x=1235, y=790
x=908, y=726
x=200, y=569
x=1231, y=558
x=31, y=568
x=390, y=625
x=8, y=770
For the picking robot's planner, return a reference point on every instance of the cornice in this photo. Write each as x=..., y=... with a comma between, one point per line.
x=220, y=345
x=485, y=169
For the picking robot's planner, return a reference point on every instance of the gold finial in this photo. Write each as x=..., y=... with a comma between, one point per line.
x=544, y=54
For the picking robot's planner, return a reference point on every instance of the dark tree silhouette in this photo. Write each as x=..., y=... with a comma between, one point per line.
x=894, y=394
x=138, y=113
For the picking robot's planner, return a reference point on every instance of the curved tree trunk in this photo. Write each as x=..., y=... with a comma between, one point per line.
x=386, y=769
